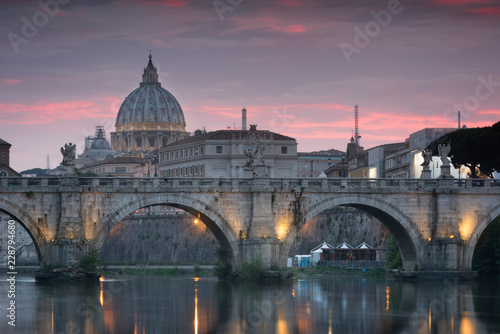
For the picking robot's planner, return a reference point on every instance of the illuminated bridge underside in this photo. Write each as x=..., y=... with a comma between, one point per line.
x=437, y=223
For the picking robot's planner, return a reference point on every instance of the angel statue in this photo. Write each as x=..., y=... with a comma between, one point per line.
x=427, y=155
x=69, y=154
x=444, y=150
x=249, y=154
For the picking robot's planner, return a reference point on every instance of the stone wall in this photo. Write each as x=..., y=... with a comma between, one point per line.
x=160, y=239
x=340, y=225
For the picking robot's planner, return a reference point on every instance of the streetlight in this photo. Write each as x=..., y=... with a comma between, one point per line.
x=311, y=168
x=156, y=164
x=343, y=165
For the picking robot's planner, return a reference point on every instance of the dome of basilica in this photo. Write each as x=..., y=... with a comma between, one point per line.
x=150, y=107
x=149, y=118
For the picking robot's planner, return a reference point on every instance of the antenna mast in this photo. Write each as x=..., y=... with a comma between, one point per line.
x=356, y=127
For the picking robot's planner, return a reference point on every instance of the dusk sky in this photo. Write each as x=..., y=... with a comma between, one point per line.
x=298, y=66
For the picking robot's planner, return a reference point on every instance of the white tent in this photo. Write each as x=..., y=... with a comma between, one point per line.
x=364, y=245
x=317, y=251
x=344, y=245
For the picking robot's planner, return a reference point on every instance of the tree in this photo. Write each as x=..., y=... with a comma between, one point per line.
x=393, y=256
x=475, y=148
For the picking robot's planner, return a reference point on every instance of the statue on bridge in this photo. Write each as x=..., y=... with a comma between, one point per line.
x=69, y=154
x=427, y=155
x=444, y=150
x=249, y=154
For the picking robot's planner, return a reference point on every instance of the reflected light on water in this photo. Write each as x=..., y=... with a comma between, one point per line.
x=101, y=295
x=196, y=279
x=467, y=326
x=387, y=297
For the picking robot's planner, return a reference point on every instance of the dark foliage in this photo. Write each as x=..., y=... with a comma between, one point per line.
x=474, y=148
x=223, y=266
x=393, y=256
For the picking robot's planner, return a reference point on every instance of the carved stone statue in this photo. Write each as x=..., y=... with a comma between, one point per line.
x=249, y=154
x=258, y=156
x=427, y=155
x=444, y=150
x=69, y=154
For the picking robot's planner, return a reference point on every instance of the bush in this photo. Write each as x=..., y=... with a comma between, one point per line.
x=251, y=270
x=92, y=262
x=393, y=258
x=223, y=266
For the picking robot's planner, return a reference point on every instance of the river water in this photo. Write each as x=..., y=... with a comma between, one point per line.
x=204, y=305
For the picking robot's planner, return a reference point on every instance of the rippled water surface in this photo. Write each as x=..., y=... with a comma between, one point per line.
x=205, y=305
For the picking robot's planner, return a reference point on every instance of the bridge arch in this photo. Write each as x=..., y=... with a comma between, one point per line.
x=216, y=223
x=29, y=225
x=404, y=231
x=478, y=230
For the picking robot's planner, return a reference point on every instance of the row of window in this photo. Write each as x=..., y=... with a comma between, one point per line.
x=195, y=170
x=190, y=152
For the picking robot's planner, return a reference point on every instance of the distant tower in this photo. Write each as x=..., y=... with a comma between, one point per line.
x=356, y=126
x=48, y=164
x=459, y=119
x=243, y=119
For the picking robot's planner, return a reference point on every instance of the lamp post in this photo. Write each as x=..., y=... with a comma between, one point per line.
x=343, y=165
x=149, y=163
x=156, y=164
x=311, y=168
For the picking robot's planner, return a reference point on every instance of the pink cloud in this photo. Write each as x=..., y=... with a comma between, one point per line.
x=49, y=112
x=9, y=82
x=457, y=2
x=488, y=11
x=169, y=3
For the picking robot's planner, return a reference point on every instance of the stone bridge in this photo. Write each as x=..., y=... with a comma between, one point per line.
x=436, y=222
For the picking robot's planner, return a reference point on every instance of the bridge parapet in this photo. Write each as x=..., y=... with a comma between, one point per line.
x=16, y=184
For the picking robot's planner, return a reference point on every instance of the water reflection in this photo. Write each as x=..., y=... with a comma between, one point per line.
x=201, y=305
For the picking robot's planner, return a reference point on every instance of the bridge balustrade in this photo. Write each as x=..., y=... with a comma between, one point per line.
x=206, y=182
x=314, y=183
x=186, y=182
x=245, y=183
x=86, y=181
x=225, y=182
x=276, y=183
x=237, y=183
x=334, y=182
x=34, y=182
x=105, y=181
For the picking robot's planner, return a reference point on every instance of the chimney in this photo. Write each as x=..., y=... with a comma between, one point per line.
x=243, y=119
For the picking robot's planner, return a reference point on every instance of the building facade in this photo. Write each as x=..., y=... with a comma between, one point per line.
x=5, y=169
x=230, y=153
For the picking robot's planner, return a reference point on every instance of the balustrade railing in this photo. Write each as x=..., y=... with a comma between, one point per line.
x=315, y=184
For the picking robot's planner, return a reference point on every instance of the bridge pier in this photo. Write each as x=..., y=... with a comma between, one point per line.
x=66, y=252
x=443, y=255
x=267, y=249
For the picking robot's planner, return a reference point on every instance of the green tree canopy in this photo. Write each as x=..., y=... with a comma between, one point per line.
x=475, y=147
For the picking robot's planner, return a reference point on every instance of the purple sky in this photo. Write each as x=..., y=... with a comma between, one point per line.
x=285, y=61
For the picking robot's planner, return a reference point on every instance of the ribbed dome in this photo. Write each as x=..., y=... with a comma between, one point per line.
x=100, y=142
x=150, y=107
